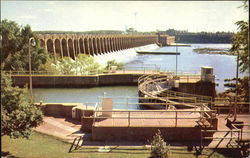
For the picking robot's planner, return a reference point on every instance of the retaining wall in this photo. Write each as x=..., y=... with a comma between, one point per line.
x=146, y=133
x=200, y=88
x=76, y=81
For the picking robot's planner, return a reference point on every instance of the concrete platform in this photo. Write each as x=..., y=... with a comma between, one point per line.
x=225, y=141
x=143, y=125
x=149, y=119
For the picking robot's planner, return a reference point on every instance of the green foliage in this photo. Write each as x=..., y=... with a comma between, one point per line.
x=200, y=37
x=87, y=64
x=49, y=66
x=240, y=42
x=14, y=52
x=243, y=88
x=19, y=114
x=159, y=148
x=240, y=45
x=110, y=63
x=83, y=64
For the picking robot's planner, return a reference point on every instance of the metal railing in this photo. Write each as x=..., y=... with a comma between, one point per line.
x=235, y=135
x=224, y=106
x=127, y=69
x=136, y=69
x=147, y=84
x=99, y=115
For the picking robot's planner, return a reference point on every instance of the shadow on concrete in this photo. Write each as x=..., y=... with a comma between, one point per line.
x=7, y=154
x=73, y=121
x=232, y=152
x=115, y=149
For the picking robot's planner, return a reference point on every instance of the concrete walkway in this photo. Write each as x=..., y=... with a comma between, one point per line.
x=66, y=129
x=225, y=141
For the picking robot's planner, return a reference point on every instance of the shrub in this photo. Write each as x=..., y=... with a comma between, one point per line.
x=159, y=148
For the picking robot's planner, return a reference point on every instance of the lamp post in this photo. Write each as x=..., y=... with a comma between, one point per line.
x=176, y=59
x=236, y=89
x=77, y=54
x=32, y=42
x=0, y=41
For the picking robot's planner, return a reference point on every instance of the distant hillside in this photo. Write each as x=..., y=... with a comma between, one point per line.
x=201, y=37
x=82, y=32
x=94, y=32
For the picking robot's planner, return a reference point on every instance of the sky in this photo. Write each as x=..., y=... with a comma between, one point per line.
x=194, y=16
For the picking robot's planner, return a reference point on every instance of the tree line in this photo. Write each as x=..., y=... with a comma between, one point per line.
x=200, y=37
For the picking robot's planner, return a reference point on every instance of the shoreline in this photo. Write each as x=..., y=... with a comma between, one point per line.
x=212, y=51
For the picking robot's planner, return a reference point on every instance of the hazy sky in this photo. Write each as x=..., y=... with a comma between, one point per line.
x=117, y=15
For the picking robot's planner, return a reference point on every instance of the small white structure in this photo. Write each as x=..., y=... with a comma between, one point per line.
x=113, y=69
x=107, y=104
x=74, y=112
x=207, y=74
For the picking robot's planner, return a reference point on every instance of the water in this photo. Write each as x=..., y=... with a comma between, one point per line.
x=189, y=61
x=89, y=96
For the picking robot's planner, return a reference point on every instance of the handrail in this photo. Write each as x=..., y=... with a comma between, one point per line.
x=152, y=111
x=148, y=114
x=153, y=80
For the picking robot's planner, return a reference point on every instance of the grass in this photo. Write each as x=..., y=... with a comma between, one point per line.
x=44, y=146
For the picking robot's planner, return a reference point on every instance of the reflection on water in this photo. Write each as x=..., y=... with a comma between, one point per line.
x=89, y=95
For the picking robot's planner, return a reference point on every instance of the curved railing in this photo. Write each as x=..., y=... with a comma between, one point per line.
x=158, y=87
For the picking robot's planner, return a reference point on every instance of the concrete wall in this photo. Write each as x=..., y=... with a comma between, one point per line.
x=57, y=110
x=65, y=110
x=76, y=81
x=200, y=88
x=146, y=133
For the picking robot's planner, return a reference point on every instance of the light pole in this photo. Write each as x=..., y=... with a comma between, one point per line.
x=0, y=41
x=135, y=13
x=236, y=89
x=176, y=59
x=32, y=42
x=76, y=53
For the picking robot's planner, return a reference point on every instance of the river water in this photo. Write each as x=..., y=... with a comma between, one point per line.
x=189, y=61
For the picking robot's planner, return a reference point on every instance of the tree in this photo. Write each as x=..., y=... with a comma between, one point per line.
x=114, y=63
x=243, y=88
x=83, y=64
x=15, y=46
x=159, y=148
x=19, y=114
x=87, y=64
x=240, y=42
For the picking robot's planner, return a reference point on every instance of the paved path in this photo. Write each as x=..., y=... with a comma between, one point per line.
x=225, y=143
x=60, y=127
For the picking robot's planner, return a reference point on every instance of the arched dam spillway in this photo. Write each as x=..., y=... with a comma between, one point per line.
x=70, y=45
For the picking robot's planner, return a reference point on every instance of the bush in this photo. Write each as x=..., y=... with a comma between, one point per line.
x=18, y=113
x=159, y=148
x=110, y=63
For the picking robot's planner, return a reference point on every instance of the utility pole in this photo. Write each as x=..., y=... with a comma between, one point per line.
x=135, y=20
x=32, y=42
x=176, y=60
x=236, y=89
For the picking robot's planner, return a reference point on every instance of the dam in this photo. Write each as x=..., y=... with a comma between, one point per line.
x=72, y=44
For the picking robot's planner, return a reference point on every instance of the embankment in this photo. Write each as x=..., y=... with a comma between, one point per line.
x=63, y=81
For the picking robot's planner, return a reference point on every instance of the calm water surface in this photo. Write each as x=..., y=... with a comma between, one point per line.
x=89, y=95
x=189, y=61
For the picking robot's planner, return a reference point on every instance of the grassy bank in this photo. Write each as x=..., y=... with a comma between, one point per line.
x=44, y=146
x=212, y=51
